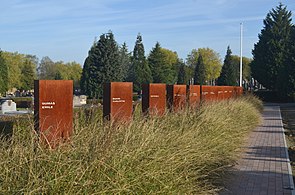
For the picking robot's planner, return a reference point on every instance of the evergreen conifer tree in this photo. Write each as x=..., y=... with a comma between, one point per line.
x=269, y=54
x=163, y=71
x=182, y=75
x=228, y=74
x=199, y=73
x=139, y=72
x=155, y=61
x=85, y=79
x=286, y=76
x=102, y=65
x=125, y=60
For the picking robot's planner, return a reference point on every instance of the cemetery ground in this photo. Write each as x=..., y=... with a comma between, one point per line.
x=187, y=152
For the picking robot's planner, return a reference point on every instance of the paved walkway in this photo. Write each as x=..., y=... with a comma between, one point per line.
x=264, y=167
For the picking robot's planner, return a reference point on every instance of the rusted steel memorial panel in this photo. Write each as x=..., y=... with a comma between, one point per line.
x=220, y=92
x=229, y=90
x=117, y=101
x=194, y=96
x=53, y=103
x=238, y=91
x=205, y=93
x=176, y=97
x=209, y=93
x=154, y=99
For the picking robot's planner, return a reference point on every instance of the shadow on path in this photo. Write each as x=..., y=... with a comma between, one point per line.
x=257, y=182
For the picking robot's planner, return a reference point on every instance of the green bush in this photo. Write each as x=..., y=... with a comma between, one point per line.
x=23, y=102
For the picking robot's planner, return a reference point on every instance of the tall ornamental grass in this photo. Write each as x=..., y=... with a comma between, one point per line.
x=179, y=153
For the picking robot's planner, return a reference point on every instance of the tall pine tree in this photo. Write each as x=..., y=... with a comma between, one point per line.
x=270, y=52
x=163, y=64
x=286, y=75
x=85, y=77
x=125, y=60
x=3, y=75
x=182, y=76
x=139, y=71
x=199, y=73
x=102, y=65
x=228, y=74
x=156, y=60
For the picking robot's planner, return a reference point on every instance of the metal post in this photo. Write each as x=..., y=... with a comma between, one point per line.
x=241, y=54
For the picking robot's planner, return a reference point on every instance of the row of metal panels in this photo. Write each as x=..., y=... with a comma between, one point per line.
x=156, y=97
x=54, y=103
x=220, y=92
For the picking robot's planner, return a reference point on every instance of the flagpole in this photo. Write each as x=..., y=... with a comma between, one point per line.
x=241, y=53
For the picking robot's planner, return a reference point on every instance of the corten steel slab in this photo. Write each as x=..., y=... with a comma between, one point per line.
x=235, y=92
x=154, y=99
x=176, y=97
x=194, y=96
x=205, y=93
x=227, y=94
x=238, y=91
x=208, y=93
x=214, y=93
x=117, y=101
x=53, y=102
x=241, y=91
x=231, y=92
x=220, y=92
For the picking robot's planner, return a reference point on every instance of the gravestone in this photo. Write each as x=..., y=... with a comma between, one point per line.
x=53, y=104
x=83, y=99
x=79, y=100
x=117, y=101
x=176, y=97
x=8, y=106
x=194, y=96
x=154, y=99
x=17, y=93
x=76, y=101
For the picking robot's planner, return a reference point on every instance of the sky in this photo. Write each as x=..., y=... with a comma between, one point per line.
x=64, y=30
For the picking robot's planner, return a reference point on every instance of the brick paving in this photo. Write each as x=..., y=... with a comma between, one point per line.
x=264, y=166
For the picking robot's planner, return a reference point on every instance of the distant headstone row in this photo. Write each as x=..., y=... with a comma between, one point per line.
x=54, y=103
